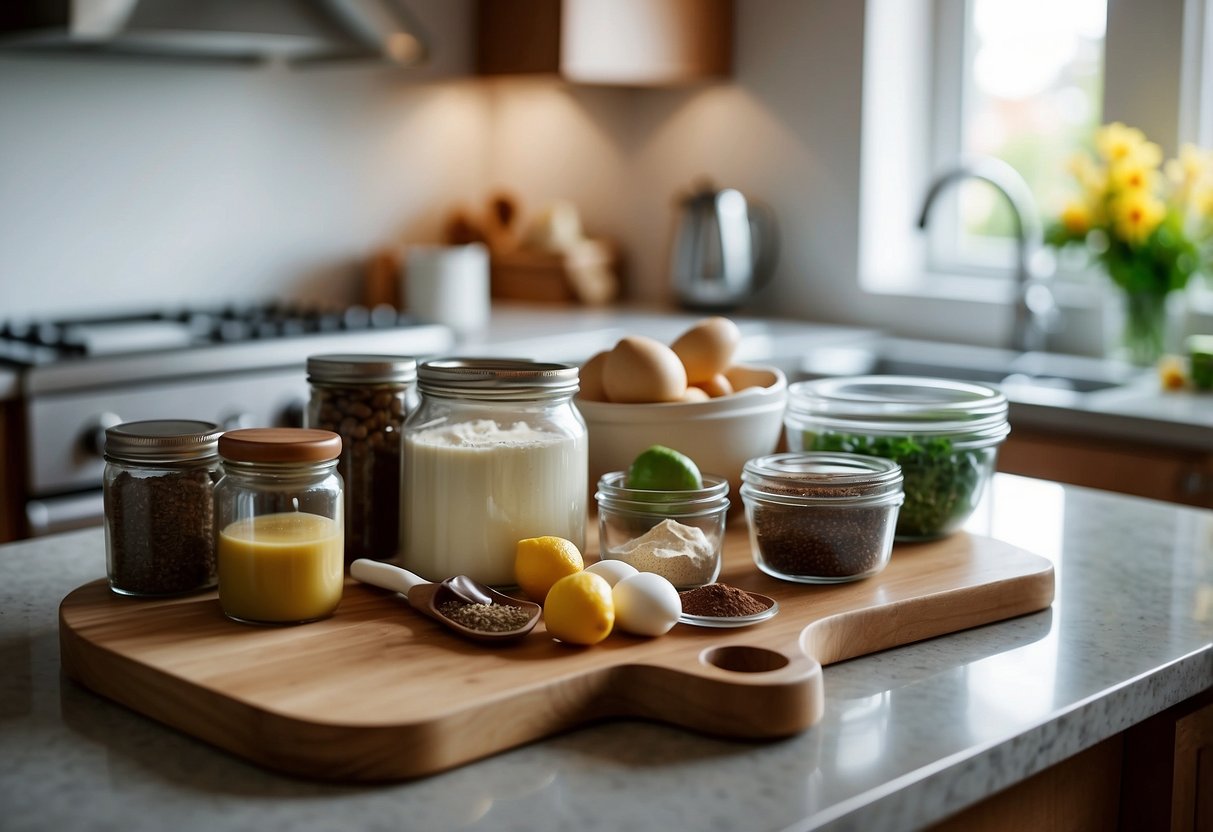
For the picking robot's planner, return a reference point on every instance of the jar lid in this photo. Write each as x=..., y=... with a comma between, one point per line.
x=496, y=378
x=162, y=440
x=279, y=445
x=370, y=369
x=900, y=405
x=697, y=502
x=822, y=476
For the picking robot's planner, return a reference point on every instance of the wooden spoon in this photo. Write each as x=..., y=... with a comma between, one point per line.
x=428, y=598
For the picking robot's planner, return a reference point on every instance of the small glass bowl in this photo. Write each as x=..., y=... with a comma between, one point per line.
x=821, y=518
x=945, y=435
x=676, y=534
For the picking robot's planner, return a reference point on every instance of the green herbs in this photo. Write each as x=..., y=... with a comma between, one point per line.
x=942, y=484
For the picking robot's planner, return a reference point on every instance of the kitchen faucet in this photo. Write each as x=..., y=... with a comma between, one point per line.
x=1035, y=308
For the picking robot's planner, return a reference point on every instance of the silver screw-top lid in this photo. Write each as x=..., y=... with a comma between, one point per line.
x=364, y=369
x=162, y=440
x=496, y=378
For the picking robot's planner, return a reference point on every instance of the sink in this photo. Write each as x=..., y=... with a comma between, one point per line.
x=1027, y=375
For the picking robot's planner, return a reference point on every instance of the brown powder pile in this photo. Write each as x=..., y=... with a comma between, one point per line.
x=720, y=601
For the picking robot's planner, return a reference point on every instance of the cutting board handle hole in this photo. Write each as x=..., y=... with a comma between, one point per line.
x=742, y=659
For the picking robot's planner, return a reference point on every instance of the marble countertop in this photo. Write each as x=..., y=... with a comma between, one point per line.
x=909, y=735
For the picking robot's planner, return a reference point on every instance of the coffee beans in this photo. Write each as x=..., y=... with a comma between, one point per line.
x=369, y=420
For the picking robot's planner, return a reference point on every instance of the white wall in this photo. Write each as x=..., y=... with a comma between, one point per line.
x=134, y=183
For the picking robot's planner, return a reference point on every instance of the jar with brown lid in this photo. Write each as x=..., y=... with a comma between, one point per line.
x=279, y=514
x=157, y=490
x=365, y=400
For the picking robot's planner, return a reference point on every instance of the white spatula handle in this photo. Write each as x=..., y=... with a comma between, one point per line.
x=385, y=575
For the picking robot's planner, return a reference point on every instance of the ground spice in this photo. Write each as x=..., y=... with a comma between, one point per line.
x=720, y=601
x=486, y=618
x=161, y=532
x=821, y=541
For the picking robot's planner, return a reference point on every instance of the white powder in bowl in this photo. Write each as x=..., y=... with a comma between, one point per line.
x=683, y=555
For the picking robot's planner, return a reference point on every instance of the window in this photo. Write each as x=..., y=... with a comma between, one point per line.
x=1020, y=79
x=1025, y=85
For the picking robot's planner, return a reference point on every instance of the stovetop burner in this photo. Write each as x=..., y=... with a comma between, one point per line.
x=41, y=342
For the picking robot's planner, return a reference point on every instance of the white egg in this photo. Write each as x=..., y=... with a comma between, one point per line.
x=613, y=570
x=646, y=604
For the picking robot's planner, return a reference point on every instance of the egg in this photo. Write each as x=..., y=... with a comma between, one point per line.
x=717, y=386
x=748, y=378
x=646, y=604
x=707, y=348
x=590, y=378
x=695, y=394
x=613, y=570
x=642, y=370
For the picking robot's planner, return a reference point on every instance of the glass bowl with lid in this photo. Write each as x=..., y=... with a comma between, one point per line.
x=944, y=434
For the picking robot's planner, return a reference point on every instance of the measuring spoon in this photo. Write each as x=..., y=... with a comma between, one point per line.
x=427, y=597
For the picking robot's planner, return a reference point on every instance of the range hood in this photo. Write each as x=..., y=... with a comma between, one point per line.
x=294, y=31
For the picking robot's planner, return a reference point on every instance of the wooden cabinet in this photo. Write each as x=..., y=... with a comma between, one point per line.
x=616, y=42
x=1158, y=775
x=1178, y=475
x=12, y=473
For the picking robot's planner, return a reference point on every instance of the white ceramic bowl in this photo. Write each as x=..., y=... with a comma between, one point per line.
x=719, y=434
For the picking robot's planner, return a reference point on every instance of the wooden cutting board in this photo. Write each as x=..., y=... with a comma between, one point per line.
x=379, y=692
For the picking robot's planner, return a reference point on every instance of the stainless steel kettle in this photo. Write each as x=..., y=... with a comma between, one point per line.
x=724, y=249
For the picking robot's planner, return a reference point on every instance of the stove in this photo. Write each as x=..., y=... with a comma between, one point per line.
x=237, y=366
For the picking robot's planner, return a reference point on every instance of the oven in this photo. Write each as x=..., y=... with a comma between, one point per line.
x=238, y=367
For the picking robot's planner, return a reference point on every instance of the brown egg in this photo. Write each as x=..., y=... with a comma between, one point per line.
x=590, y=378
x=641, y=369
x=717, y=386
x=707, y=348
x=695, y=394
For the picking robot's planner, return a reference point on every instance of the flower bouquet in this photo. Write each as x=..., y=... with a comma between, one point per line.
x=1148, y=225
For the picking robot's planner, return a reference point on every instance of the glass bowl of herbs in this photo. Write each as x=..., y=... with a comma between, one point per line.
x=944, y=434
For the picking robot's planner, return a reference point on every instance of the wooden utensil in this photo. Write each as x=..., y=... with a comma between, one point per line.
x=428, y=598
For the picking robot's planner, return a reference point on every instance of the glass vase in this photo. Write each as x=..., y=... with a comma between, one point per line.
x=1144, y=332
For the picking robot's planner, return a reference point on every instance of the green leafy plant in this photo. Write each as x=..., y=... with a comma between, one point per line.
x=942, y=483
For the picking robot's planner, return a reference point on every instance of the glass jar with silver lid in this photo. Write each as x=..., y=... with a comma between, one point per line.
x=495, y=453
x=159, y=517
x=365, y=400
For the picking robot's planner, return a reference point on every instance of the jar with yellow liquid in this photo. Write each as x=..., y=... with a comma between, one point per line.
x=278, y=512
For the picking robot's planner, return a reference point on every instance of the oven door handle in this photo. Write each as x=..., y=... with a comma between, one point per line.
x=61, y=514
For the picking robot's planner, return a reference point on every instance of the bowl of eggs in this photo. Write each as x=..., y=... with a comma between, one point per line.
x=688, y=395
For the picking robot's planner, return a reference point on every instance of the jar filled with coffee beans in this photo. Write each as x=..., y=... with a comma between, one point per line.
x=821, y=518
x=365, y=400
x=159, y=518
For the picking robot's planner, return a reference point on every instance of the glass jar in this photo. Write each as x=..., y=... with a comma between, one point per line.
x=365, y=399
x=278, y=509
x=944, y=434
x=495, y=453
x=157, y=491
x=676, y=534
x=821, y=518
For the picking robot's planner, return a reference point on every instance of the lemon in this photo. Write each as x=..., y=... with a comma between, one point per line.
x=663, y=469
x=540, y=562
x=580, y=609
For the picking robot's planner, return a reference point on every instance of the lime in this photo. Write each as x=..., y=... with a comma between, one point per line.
x=663, y=469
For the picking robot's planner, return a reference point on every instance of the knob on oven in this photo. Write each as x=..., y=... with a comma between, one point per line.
x=92, y=437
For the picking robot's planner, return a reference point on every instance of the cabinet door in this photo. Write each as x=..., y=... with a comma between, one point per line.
x=619, y=42
x=1161, y=473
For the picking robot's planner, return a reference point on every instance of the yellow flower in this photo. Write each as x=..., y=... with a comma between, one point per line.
x=1131, y=175
x=1116, y=142
x=1076, y=218
x=1192, y=166
x=1136, y=214
x=1091, y=177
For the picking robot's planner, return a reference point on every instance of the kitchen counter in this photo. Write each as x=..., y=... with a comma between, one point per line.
x=909, y=736
x=1135, y=410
